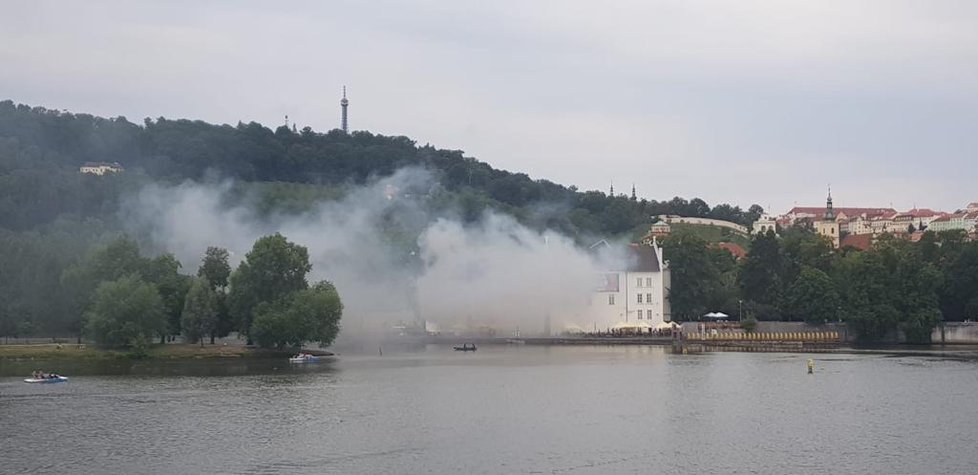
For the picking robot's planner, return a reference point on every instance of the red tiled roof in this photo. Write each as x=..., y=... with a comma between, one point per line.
x=921, y=213
x=735, y=249
x=858, y=241
x=820, y=210
x=948, y=217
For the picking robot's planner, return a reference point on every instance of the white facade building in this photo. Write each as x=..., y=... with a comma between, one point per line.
x=764, y=224
x=637, y=294
x=963, y=221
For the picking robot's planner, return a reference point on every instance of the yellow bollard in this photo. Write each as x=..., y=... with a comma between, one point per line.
x=811, y=366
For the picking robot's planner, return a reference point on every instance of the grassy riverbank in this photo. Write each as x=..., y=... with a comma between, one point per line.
x=174, y=351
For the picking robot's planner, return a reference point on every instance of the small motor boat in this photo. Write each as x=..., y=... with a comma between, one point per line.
x=466, y=347
x=53, y=379
x=304, y=358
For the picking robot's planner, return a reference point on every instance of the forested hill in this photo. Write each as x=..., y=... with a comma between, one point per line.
x=41, y=150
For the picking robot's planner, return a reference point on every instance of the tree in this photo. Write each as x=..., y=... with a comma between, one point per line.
x=164, y=273
x=199, y=317
x=78, y=282
x=215, y=268
x=272, y=270
x=804, y=248
x=812, y=297
x=959, y=297
x=890, y=288
x=753, y=213
x=307, y=315
x=126, y=311
x=697, y=284
x=761, y=275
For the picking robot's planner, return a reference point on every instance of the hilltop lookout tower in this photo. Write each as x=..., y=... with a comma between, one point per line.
x=343, y=104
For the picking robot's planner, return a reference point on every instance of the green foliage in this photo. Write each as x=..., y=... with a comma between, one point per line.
x=125, y=310
x=749, y=324
x=702, y=277
x=273, y=269
x=214, y=267
x=121, y=257
x=812, y=297
x=307, y=315
x=890, y=288
x=217, y=271
x=164, y=273
x=710, y=234
x=761, y=273
x=804, y=248
x=200, y=313
x=51, y=216
x=40, y=151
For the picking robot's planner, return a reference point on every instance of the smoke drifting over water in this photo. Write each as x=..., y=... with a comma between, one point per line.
x=493, y=274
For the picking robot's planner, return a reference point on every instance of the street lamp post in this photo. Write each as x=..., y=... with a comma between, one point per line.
x=740, y=310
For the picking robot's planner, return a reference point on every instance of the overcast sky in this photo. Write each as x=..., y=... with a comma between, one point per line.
x=742, y=101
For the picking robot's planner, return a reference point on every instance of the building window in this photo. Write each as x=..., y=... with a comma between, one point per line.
x=639, y=298
x=648, y=298
x=648, y=282
x=611, y=299
x=639, y=314
x=638, y=282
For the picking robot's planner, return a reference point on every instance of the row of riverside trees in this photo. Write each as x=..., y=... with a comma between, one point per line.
x=895, y=286
x=121, y=299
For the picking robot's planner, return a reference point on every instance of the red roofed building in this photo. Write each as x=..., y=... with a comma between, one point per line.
x=861, y=242
x=919, y=218
x=817, y=213
x=963, y=221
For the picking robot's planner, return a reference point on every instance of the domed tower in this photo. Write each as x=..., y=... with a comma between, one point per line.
x=829, y=212
x=344, y=103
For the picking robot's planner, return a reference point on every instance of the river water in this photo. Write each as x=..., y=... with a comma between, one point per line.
x=502, y=409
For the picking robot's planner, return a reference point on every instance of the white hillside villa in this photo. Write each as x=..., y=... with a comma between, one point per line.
x=636, y=294
x=764, y=224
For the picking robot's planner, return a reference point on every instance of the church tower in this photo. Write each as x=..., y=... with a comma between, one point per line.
x=344, y=103
x=828, y=226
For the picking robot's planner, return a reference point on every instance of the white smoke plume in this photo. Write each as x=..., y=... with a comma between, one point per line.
x=495, y=275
